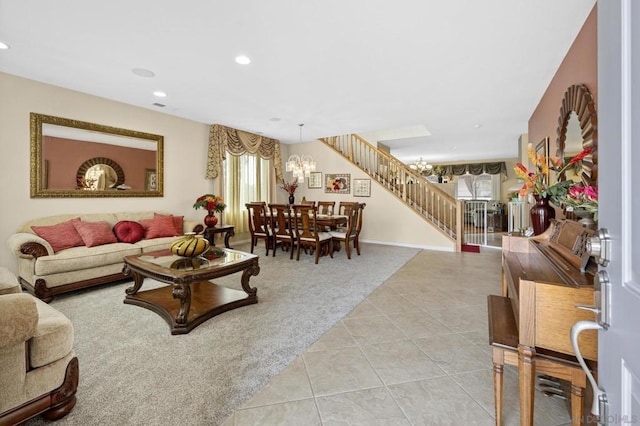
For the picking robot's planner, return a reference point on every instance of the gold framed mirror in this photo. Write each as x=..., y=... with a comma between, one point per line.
x=577, y=130
x=71, y=158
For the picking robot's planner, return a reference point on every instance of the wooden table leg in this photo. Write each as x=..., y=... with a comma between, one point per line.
x=577, y=403
x=526, y=375
x=230, y=233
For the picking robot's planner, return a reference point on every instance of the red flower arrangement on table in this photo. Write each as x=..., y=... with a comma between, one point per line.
x=212, y=203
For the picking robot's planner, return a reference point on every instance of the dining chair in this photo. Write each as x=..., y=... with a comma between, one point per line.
x=305, y=226
x=258, y=224
x=356, y=242
x=349, y=233
x=344, y=208
x=281, y=227
x=326, y=207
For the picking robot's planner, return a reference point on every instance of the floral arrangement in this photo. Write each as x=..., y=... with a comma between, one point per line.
x=84, y=183
x=536, y=181
x=566, y=193
x=210, y=202
x=290, y=187
x=583, y=198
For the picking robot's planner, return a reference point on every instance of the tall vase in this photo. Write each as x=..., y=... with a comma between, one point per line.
x=210, y=219
x=541, y=214
x=292, y=199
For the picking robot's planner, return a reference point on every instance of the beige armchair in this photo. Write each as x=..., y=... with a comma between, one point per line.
x=38, y=367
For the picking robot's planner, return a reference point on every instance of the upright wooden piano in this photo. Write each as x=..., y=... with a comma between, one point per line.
x=545, y=277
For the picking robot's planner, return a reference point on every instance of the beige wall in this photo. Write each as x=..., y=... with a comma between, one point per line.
x=185, y=151
x=386, y=219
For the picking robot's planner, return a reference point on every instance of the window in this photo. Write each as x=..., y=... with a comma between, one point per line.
x=247, y=178
x=481, y=187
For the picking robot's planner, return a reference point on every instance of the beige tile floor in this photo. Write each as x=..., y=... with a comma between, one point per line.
x=414, y=352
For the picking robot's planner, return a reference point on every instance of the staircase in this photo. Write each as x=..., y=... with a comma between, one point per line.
x=434, y=205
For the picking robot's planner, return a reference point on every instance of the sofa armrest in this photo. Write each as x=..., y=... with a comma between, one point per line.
x=8, y=282
x=18, y=318
x=192, y=226
x=28, y=245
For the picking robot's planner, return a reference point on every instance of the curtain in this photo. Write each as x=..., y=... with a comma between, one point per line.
x=247, y=179
x=224, y=139
x=473, y=169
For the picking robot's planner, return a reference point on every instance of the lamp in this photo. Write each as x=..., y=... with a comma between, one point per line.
x=420, y=165
x=300, y=165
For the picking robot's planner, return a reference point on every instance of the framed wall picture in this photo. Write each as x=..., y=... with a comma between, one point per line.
x=337, y=183
x=362, y=187
x=315, y=180
x=542, y=149
x=150, y=180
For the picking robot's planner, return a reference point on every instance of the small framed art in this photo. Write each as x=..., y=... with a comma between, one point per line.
x=315, y=180
x=150, y=180
x=362, y=187
x=337, y=183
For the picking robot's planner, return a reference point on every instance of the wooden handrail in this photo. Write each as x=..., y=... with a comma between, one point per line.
x=430, y=202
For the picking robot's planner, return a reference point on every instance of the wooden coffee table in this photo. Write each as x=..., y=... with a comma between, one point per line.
x=190, y=298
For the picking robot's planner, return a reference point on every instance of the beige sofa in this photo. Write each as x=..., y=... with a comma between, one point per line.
x=46, y=273
x=39, y=373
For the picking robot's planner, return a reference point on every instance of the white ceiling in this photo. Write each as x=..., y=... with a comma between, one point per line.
x=338, y=66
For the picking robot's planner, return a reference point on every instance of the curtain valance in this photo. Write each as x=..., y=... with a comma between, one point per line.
x=472, y=168
x=223, y=139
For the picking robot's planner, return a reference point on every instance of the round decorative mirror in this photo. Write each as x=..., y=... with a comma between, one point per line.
x=577, y=130
x=99, y=174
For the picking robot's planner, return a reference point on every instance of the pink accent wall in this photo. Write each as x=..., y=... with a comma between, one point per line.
x=580, y=66
x=65, y=156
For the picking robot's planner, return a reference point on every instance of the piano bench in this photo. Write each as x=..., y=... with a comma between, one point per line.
x=503, y=337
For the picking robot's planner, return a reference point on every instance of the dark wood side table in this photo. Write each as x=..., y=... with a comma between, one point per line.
x=211, y=231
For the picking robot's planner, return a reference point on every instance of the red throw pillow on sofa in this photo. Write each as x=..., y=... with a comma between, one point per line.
x=178, y=221
x=128, y=231
x=95, y=233
x=161, y=226
x=61, y=235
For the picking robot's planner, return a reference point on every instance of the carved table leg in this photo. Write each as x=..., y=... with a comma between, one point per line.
x=137, y=280
x=246, y=274
x=183, y=292
x=526, y=373
x=230, y=233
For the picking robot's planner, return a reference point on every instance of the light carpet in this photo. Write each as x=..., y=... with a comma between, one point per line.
x=134, y=372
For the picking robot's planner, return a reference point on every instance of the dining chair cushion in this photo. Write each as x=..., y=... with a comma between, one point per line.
x=338, y=234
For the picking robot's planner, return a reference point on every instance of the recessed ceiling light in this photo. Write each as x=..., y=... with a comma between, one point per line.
x=142, y=72
x=3, y=46
x=159, y=94
x=243, y=60
x=274, y=119
x=477, y=126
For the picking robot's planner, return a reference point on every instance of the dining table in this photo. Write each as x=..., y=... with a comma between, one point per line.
x=331, y=221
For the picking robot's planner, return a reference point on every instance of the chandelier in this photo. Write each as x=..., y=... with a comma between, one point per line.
x=420, y=165
x=300, y=165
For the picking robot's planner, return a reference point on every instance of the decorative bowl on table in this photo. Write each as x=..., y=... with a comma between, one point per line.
x=191, y=245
